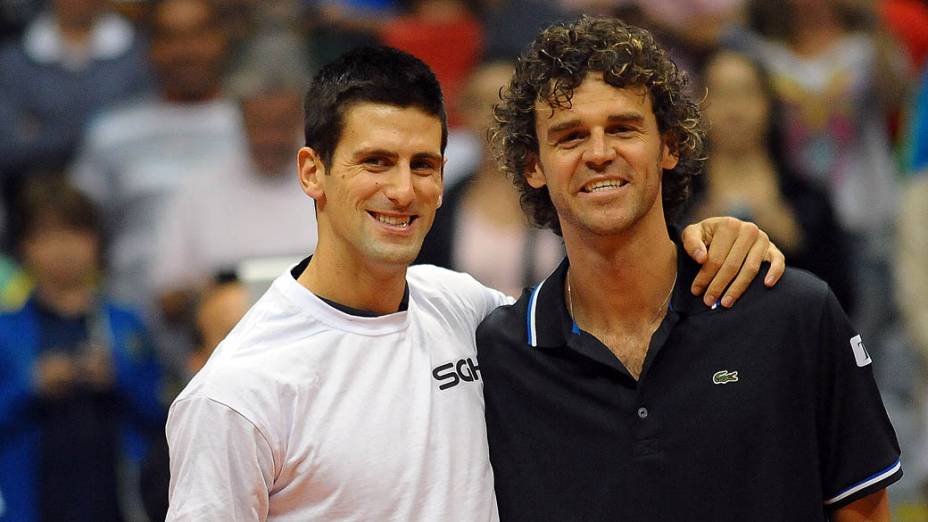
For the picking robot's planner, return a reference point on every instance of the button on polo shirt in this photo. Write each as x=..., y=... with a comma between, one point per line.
x=755, y=413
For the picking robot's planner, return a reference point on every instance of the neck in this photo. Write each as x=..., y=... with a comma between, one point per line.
x=192, y=99
x=353, y=283
x=621, y=282
x=726, y=166
x=67, y=300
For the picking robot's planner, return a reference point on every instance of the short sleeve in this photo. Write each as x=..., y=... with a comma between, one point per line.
x=858, y=447
x=222, y=466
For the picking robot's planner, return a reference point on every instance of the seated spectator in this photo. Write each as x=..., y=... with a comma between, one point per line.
x=220, y=308
x=445, y=34
x=72, y=61
x=480, y=228
x=247, y=206
x=136, y=155
x=79, y=382
x=746, y=177
x=917, y=138
x=838, y=82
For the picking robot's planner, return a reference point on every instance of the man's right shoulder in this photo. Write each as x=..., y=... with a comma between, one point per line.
x=506, y=323
x=265, y=351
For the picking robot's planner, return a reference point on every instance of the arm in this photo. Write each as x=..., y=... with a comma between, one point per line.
x=872, y=508
x=222, y=466
x=736, y=250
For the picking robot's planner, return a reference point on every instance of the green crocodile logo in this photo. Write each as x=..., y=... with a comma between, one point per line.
x=724, y=377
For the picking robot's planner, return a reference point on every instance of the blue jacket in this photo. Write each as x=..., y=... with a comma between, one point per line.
x=137, y=379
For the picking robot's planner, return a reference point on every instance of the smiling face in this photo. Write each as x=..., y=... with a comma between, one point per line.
x=377, y=199
x=601, y=159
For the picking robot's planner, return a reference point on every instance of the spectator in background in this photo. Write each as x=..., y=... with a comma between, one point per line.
x=745, y=175
x=15, y=15
x=908, y=21
x=137, y=155
x=480, y=228
x=917, y=136
x=78, y=379
x=911, y=265
x=221, y=306
x=72, y=61
x=839, y=81
x=445, y=34
x=247, y=206
x=511, y=23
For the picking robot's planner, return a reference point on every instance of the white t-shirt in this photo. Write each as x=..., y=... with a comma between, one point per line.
x=307, y=413
x=134, y=159
x=228, y=214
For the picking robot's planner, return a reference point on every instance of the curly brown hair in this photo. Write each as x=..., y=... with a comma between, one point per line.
x=556, y=64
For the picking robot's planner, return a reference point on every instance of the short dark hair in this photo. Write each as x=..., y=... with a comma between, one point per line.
x=51, y=200
x=368, y=74
x=556, y=64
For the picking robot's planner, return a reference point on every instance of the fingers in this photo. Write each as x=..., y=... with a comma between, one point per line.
x=777, y=265
x=695, y=238
x=749, y=269
x=724, y=232
x=730, y=261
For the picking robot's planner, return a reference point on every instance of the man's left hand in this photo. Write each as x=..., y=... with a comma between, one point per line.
x=736, y=250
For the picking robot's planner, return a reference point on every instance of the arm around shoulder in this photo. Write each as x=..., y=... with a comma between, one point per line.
x=222, y=465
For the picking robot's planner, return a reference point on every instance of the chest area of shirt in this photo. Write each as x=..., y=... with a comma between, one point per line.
x=390, y=406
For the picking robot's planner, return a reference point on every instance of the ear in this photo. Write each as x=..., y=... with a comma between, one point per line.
x=444, y=163
x=312, y=174
x=669, y=159
x=534, y=176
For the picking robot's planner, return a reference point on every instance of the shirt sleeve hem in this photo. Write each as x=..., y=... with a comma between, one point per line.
x=873, y=483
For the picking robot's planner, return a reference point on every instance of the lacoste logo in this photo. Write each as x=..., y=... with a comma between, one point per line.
x=724, y=377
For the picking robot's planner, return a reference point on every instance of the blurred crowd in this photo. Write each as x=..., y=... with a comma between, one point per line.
x=147, y=161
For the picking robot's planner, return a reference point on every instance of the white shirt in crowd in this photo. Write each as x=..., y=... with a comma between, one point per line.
x=228, y=214
x=308, y=413
x=133, y=160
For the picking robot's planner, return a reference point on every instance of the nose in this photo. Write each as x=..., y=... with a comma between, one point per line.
x=599, y=153
x=399, y=189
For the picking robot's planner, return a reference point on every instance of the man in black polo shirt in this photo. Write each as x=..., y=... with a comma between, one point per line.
x=612, y=393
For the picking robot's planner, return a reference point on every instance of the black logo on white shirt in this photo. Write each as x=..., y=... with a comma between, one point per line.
x=453, y=373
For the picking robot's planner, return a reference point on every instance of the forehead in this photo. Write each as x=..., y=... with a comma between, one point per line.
x=399, y=129
x=593, y=98
x=730, y=67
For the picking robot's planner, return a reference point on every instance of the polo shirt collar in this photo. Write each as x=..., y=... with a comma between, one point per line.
x=548, y=320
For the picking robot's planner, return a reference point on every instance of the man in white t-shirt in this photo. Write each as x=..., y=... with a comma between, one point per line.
x=351, y=390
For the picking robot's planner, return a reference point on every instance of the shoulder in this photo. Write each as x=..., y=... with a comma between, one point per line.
x=436, y=282
x=262, y=357
x=507, y=323
x=799, y=299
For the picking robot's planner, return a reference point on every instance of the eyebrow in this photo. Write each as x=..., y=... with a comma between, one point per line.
x=391, y=154
x=625, y=117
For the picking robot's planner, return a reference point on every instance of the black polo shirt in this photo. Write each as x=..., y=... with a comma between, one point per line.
x=767, y=411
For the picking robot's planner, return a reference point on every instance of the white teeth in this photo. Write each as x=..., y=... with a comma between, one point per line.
x=604, y=185
x=397, y=221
